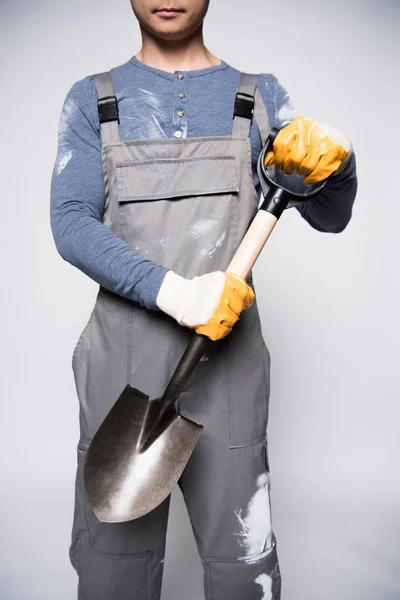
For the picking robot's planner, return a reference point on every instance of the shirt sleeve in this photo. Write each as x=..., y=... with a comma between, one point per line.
x=331, y=210
x=77, y=205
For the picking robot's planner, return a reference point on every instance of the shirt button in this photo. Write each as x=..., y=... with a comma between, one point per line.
x=181, y=94
x=180, y=112
x=179, y=76
x=178, y=134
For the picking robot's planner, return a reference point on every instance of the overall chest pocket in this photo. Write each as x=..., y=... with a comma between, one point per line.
x=167, y=178
x=181, y=212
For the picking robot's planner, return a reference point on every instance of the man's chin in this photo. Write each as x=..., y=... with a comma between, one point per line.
x=168, y=32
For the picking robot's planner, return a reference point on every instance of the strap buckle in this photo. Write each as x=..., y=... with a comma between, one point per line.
x=244, y=105
x=108, y=109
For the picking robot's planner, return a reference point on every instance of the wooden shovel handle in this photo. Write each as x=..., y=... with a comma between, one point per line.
x=252, y=244
x=241, y=264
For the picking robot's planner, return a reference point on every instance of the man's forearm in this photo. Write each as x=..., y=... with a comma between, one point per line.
x=89, y=245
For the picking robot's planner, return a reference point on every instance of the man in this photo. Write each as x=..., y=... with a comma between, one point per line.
x=151, y=203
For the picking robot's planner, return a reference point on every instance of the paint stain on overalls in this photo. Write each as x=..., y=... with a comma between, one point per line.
x=185, y=204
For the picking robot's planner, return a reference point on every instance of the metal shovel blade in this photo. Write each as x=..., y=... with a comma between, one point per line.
x=126, y=473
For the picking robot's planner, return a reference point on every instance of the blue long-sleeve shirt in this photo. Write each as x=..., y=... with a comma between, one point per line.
x=148, y=104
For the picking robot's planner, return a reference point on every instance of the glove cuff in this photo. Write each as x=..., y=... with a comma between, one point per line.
x=170, y=297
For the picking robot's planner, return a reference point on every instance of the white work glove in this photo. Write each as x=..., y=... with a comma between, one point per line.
x=210, y=304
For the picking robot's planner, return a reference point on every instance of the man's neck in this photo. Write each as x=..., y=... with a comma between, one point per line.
x=182, y=55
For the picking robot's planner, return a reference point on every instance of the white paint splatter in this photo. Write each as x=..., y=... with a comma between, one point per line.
x=256, y=531
x=205, y=251
x=63, y=159
x=219, y=241
x=161, y=242
x=266, y=583
x=184, y=129
x=65, y=153
x=285, y=114
x=143, y=252
x=151, y=98
x=146, y=110
x=209, y=249
x=158, y=127
x=68, y=112
x=200, y=228
x=284, y=111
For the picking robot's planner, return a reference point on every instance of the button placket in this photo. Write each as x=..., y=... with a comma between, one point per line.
x=180, y=117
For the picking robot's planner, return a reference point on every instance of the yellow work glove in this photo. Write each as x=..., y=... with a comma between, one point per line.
x=312, y=150
x=210, y=304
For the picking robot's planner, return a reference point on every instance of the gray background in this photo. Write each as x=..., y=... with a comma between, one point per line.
x=329, y=302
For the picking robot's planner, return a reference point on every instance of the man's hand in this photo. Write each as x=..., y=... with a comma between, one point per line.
x=313, y=150
x=211, y=303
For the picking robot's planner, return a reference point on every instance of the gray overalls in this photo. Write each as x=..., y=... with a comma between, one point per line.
x=185, y=204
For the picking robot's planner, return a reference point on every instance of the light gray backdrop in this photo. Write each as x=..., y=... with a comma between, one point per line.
x=329, y=302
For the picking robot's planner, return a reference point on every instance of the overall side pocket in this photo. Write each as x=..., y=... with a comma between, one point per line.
x=249, y=381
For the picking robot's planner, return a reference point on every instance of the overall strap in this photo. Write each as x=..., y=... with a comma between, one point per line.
x=107, y=105
x=249, y=103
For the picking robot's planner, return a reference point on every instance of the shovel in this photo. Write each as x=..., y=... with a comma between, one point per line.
x=140, y=450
